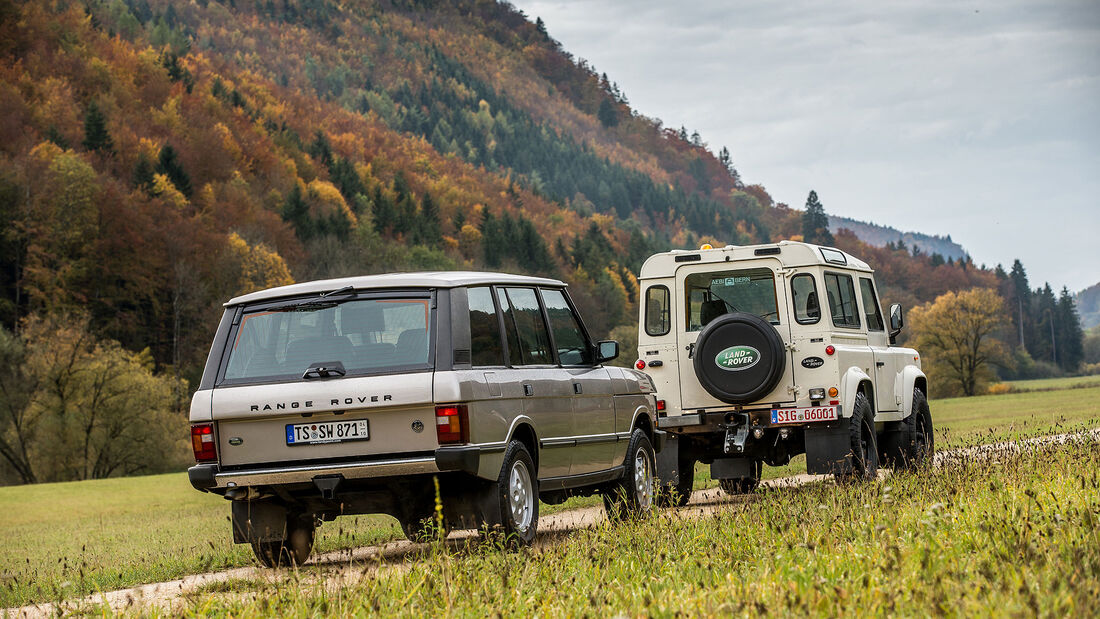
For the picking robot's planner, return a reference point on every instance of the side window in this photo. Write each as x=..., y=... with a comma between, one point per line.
x=870, y=305
x=807, y=306
x=573, y=347
x=534, y=341
x=486, y=347
x=657, y=312
x=842, y=300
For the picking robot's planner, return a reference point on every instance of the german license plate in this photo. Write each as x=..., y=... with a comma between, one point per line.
x=803, y=415
x=327, y=432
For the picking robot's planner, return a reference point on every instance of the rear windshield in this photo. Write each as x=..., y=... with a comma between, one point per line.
x=710, y=295
x=366, y=336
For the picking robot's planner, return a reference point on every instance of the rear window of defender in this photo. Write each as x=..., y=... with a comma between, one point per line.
x=709, y=295
x=367, y=336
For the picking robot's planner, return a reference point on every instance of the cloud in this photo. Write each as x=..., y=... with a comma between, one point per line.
x=968, y=119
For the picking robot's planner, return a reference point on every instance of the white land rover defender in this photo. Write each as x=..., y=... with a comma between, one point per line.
x=760, y=353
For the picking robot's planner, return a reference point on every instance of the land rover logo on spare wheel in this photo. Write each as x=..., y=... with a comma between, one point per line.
x=737, y=358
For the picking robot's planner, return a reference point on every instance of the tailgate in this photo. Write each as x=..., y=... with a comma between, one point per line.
x=253, y=420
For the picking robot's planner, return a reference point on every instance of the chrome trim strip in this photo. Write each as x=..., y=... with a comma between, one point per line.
x=305, y=473
x=694, y=419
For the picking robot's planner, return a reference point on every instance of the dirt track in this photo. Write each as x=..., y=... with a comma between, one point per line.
x=352, y=564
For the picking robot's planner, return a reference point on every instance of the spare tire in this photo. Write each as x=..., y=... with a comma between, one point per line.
x=739, y=358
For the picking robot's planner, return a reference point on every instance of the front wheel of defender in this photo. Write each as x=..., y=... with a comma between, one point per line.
x=292, y=551
x=518, y=494
x=632, y=496
x=862, y=442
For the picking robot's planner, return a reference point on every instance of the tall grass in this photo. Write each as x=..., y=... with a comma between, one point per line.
x=1013, y=533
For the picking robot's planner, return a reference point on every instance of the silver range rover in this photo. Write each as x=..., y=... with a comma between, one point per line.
x=481, y=393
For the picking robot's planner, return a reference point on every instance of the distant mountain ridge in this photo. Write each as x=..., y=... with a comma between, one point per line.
x=879, y=236
x=1088, y=306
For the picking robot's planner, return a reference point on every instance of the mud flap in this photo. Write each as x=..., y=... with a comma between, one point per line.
x=731, y=468
x=473, y=504
x=262, y=521
x=828, y=448
x=668, y=462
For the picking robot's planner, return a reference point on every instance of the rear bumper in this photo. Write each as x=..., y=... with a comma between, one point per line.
x=209, y=476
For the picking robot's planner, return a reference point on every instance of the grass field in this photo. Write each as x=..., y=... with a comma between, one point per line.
x=1014, y=536
x=75, y=538
x=1048, y=384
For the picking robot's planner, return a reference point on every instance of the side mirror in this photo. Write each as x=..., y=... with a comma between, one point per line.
x=897, y=321
x=606, y=350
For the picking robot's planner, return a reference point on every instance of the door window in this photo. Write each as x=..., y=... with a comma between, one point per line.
x=870, y=305
x=657, y=313
x=530, y=335
x=569, y=338
x=807, y=306
x=842, y=300
x=486, y=347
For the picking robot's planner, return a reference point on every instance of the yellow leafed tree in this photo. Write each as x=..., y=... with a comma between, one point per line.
x=260, y=267
x=957, y=338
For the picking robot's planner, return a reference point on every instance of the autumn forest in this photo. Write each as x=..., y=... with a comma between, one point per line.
x=158, y=157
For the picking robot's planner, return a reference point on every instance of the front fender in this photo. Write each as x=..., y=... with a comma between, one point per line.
x=910, y=374
x=849, y=387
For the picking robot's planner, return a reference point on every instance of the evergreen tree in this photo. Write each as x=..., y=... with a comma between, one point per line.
x=296, y=212
x=143, y=173
x=815, y=223
x=428, y=224
x=168, y=164
x=96, y=136
x=1020, y=305
x=1071, y=338
x=606, y=113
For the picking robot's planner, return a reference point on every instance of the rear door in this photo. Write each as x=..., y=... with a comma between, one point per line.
x=547, y=388
x=708, y=291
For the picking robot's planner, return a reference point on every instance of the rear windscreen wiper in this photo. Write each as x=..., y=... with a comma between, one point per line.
x=340, y=291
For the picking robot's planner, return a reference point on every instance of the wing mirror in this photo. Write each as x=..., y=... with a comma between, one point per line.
x=897, y=321
x=606, y=350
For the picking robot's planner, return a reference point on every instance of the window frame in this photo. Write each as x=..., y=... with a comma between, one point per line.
x=855, y=300
x=878, y=305
x=813, y=280
x=687, y=290
x=504, y=288
x=666, y=312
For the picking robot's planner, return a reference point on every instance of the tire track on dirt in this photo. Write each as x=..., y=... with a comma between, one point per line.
x=348, y=565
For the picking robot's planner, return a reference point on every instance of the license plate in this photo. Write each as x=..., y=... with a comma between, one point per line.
x=327, y=432
x=803, y=415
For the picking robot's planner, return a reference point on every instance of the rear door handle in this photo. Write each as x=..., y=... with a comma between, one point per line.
x=879, y=364
x=577, y=388
x=528, y=389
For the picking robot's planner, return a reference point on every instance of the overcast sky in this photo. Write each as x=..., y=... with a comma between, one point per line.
x=979, y=119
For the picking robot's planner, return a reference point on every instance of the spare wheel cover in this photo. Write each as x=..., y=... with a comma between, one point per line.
x=739, y=358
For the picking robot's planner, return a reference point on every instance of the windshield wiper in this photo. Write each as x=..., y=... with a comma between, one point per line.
x=306, y=306
x=324, y=369
x=340, y=291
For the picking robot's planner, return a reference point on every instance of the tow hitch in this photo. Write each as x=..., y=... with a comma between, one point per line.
x=737, y=435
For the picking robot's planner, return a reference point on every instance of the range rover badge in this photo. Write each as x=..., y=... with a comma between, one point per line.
x=236, y=440
x=418, y=426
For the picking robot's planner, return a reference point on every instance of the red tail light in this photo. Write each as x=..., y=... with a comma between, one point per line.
x=452, y=424
x=660, y=406
x=202, y=442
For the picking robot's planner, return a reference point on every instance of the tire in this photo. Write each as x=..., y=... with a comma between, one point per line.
x=292, y=551
x=742, y=485
x=920, y=444
x=633, y=495
x=518, y=495
x=862, y=442
x=677, y=492
x=749, y=383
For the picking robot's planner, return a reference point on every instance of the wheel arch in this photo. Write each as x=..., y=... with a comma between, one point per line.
x=856, y=381
x=912, y=378
x=524, y=432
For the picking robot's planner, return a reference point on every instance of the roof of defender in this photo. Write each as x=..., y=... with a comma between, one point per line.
x=421, y=279
x=791, y=254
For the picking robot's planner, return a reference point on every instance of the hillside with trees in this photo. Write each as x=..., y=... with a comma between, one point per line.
x=158, y=157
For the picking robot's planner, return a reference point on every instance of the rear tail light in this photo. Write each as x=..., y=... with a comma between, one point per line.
x=660, y=406
x=452, y=424
x=640, y=364
x=202, y=442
